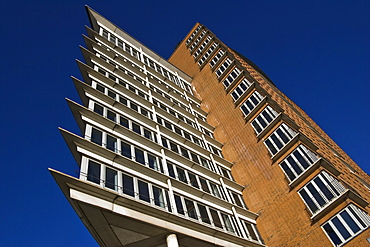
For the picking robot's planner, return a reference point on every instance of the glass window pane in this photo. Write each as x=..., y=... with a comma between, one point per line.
x=181, y=175
x=93, y=172
x=96, y=136
x=143, y=191
x=128, y=185
x=340, y=227
x=179, y=207
x=126, y=149
x=111, y=143
x=332, y=235
x=350, y=222
x=123, y=121
x=111, y=179
x=139, y=156
x=203, y=214
x=203, y=182
x=158, y=197
x=193, y=180
x=136, y=128
x=191, y=209
x=215, y=218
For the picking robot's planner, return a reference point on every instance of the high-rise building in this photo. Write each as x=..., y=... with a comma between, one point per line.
x=200, y=150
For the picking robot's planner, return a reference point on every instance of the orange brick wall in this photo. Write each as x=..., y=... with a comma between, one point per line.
x=283, y=219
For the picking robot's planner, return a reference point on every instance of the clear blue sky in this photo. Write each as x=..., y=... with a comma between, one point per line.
x=317, y=52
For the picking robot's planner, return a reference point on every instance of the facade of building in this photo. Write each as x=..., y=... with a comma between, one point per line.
x=200, y=150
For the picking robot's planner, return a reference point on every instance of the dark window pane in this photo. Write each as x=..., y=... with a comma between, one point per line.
x=287, y=171
x=96, y=136
x=143, y=191
x=215, y=218
x=193, y=180
x=300, y=159
x=111, y=179
x=139, y=156
x=171, y=170
x=350, y=222
x=93, y=172
x=203, y=182
x=98, y=109
x=111, y=115
x=179, y=207
x=270, y=146
x=111, y=143
x=136, y=128
x=123, y=121
x=332, y=235
x=327, y=193
x=282, y=135
x=181, y=175
x=134, y=107
x=191, y=209
x=203, y=214
x=126, y=150
x=316, y=195
x=340, y=227
x=158, y=197
x=311, y=205
x=128, y=185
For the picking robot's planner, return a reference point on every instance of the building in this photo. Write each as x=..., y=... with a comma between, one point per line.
x=200, y=150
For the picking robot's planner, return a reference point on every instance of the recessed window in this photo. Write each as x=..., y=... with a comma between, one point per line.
x=128, y=185
x=93, y=172
x=158, y=197
x=111, y=178
x=139, y=156
x=143, y=191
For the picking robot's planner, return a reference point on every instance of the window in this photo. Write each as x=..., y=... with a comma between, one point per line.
x=97, y=136
x=263, y=119
x=111, y=178
x=143, y=191
x=240, y=89
x=207, y=54
x=223, y=67
x=216, y=58
x=320, y=191
x=158, y=197
x=179, y=206
x=279, y=138
x=216, y=218
x=203, y=214
x=346, y=224
x=227, y=222
x=250, y=230
x=128, y=185
x=93, y=172
x=231, y=77
x=154, y=163
x=111, y=143
x=297, y=162
x=251, y=103
x=126, y=149
x=237, y=199
x=191, y=209
x=139, y=156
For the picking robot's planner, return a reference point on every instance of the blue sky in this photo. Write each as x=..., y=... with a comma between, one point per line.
x=316, y=52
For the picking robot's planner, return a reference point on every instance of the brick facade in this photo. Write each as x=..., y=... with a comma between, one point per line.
x=284, y=219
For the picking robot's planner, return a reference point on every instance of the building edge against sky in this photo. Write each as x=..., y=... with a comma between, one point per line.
x=151, y=168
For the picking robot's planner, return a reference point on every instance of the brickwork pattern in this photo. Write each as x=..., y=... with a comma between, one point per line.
x=283, y=217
